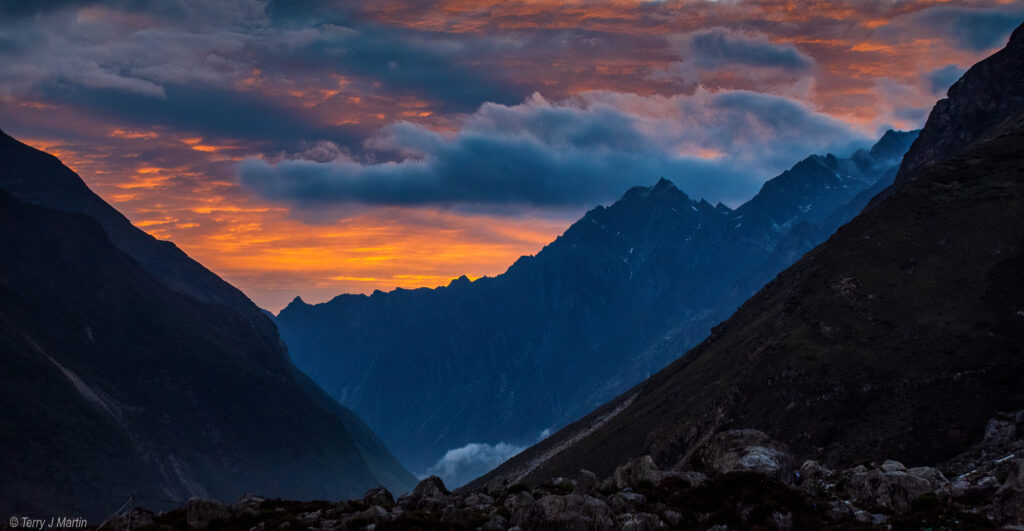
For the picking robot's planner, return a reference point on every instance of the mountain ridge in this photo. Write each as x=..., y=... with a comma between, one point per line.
x=897, y=338
x=116, y=382
x=609, y=284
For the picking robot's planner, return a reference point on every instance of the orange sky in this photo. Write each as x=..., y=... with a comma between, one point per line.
x=178, y=182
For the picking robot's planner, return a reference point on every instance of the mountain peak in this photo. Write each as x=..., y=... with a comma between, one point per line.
x=663, y=184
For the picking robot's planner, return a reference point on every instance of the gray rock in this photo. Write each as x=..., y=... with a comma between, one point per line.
x=379, y=496
x=747, y=450
x=781, y=521
x=642, y=522
x=636, y=471
x=496, y=486
x=201, y=513
x=496, y=523
x=626, y=502
x=839, y=511
x=893, y=490
x=893, y=466
x=375, y=515
x=1008, y=504
x=586, y=483
x=249, y=504
x=519, y=499
x=813, y=476
x=673, y=518
x=999, y=433
x=431, y=487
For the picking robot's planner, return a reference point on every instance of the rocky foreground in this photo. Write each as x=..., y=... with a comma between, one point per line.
x=742, y=479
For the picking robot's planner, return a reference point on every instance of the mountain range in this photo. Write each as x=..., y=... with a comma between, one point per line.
x=129, y=367
x=457, y=378
x=899, y=337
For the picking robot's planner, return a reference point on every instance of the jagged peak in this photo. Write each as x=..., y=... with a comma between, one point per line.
x=663, y=184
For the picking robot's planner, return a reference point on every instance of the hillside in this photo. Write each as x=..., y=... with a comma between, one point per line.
x=897, y=338
x=114, y=382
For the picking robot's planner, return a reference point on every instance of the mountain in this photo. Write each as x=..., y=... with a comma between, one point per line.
x=487, y=366
x=128, y=367
x=900, y=337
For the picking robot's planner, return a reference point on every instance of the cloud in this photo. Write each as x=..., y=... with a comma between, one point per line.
x=579, y=152
x=752, y=57
x=939, y=80
x=972, y=29
x=459, y=466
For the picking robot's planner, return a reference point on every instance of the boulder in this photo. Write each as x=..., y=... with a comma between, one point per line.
x=747, y=450
x=637, y=471
x=379, y=496
x=626, y=502
x=642, y=522
x=496, y=486
x=812, y=476
x=890, y=486
x=249, y=505
x=586, y=483
x=496, y=523
x=201, y=513
x=781, y=521
x=1008, y=504
x=431, y=487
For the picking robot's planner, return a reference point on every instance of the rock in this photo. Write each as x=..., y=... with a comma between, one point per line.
x=496, y=523
x=561, y=485
x=1008, y=503
x=637, y=471
x=747, y=450
x=999, y=433
x=866, y=517
x=642, y=522
x=572, y=509
x=431, y=487
x=695, y=479
x=813, y=476
x=607, y=485
x=893, y=466
x=586, y=483
x=673, y=518
x=893, y=490
x=519, y=499
x=379, y=496
x=201, y=513
x=626, y=502
x=781, y=521
x=839, y=511
x=932, y=475
x=249, y=504
x=496, y=486
x=376, y=515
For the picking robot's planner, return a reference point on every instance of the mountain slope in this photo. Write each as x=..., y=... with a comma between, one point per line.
x=897, y=338
x=114, y=382
x=488, y=361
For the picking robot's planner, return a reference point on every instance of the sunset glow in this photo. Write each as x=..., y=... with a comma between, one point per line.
x=338, y=149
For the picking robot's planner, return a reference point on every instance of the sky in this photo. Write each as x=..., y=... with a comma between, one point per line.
x=312, y=147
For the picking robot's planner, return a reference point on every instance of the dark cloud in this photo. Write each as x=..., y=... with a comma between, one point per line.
x=743, y=56
x=715, y=145
x=722, y=48
x=972, y=29
x=941, y=79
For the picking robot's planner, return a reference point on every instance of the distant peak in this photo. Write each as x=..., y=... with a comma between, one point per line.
x=298, y=300
x=663, y=184
x=461, y=281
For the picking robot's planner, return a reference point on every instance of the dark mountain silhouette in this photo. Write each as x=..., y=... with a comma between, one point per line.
x=897, y=338
x=623, y=292
x=129, y=367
